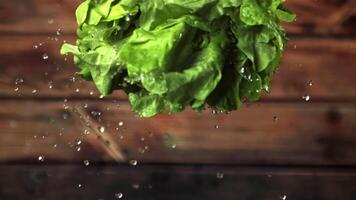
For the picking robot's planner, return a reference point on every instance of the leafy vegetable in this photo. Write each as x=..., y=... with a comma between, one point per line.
x=169, y=54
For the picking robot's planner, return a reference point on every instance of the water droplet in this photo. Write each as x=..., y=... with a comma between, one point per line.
x=220, y=175
x=79, y=185
x=86, y=132
x=306, y=97
x=65, y=115
x=45, y=56
x=59, y=32
x=72, y=79
x=35, y=46
x=119, y=195
x=50, y=21
x=79, y=148
x=55, y=146
x=101, y=96
x=310, y=83
x=18, y=81
x=295, y=46
x=136, y=186
x=34, y=91
x=141, y=150
x=121, y=123
x=216, y=126
x=91, y=93
x=78, y=142
x=41, y=158
x=77, y=90
x=174, y=146
x=275, y=118
x=127, y=18
x=101, y=129
x=16, y=89
x=86, y=162
x=133, y=162
x=50, y=84
x=214, y=112
x=284, y=197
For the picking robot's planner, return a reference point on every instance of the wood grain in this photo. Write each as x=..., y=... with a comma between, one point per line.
x=174, y=183
x=266, y=133
x=323, y=17
x=328, y=63
x=46, y=16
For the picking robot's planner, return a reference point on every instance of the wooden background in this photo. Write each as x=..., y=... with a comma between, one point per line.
x=282, y=147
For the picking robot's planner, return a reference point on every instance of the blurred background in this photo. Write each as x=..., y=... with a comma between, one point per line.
x=59, y=140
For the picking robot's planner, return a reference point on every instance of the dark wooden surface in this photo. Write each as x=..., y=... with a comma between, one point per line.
x=174, y=183
x=282, y=145
x=313, y=133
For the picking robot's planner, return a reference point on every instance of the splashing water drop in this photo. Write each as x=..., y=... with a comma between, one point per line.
x=45, y=56
x=59, y=32
x=41, y=158
x=136, y=186
x=101, y=129
x=78, y=142
x=18, y=81
x=220, y=175
x=50, y=84
x=86, y=162
x=306, y=97
x=133, y=162
x=275, y=118
x=127, y=18
x=119, y=195
x=50, y=21
x=65, y=115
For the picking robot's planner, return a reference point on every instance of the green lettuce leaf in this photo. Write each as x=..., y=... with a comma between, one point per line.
x=170, y=54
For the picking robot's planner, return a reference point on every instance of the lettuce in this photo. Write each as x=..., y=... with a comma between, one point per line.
x=170, y=54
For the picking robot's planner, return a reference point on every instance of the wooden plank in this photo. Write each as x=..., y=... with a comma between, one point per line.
x=328, y=63
x=38, y=16
x=324, y=17
x=46, y=16
x=173, y=182
x=266, y=133
x=24, y=72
